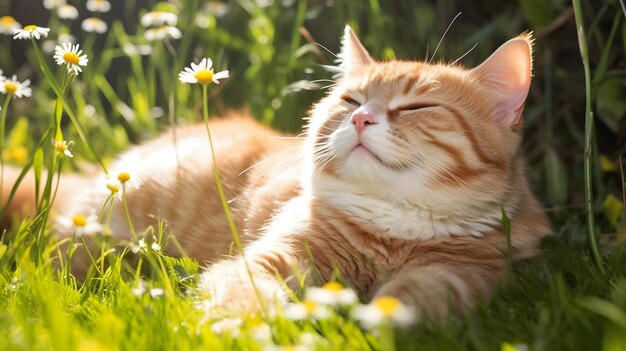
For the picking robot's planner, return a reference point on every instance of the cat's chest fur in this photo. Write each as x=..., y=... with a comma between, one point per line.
x=406, y=220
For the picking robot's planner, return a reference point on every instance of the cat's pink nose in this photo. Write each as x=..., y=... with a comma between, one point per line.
x=362, y=120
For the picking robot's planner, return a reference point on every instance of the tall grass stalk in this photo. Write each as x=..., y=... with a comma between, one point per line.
x=589, y=132
x=220, y=190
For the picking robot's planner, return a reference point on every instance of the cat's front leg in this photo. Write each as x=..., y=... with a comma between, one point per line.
x=252, y=284
x=438, y=290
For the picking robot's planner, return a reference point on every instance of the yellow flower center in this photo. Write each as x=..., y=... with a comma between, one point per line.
x=7, y=21
x=113, y=188
x=333, y=286
x=10, y=87
x=71, y=57
x=79, y=221
x=387, y=305
x=123, y=177
x=309, y=306
x=30, y=27
x=60, y=146
x=204, y=76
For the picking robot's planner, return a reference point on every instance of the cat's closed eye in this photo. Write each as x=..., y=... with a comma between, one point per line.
x=415, y=106
x=350, y=100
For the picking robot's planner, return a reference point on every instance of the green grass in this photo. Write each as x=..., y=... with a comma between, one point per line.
x=558, y=301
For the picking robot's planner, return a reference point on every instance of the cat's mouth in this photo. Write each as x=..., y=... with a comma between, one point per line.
x=362, y=149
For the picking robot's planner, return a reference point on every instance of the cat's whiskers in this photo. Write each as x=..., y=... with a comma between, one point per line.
x=287, y=162
x=299, y=137
x=465, y=54
x=269, y=158
x=327, y=50
x=443, y=36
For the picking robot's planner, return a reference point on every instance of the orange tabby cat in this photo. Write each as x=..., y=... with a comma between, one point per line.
x=399, y=186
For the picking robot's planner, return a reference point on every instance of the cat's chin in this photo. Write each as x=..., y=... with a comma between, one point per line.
x=364, y=156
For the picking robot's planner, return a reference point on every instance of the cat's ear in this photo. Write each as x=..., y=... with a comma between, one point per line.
x=353, y=54
x=507, y=73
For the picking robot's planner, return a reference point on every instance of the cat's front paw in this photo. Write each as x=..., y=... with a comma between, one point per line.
x=231, y=287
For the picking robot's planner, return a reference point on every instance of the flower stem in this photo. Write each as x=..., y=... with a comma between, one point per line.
x=588, y=153
x=216, y=173
x=127, y=213
x=220, y=190
x=3, y=120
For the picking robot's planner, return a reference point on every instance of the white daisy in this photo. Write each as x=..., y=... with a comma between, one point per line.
x=201, y=73
x=156, y=292
x=66, y=38
x=67, y=12
x=142, y=246
x=98, y=5
x=216, y=8
x=384, y=308
x=94, y=24
x=227, y=325
x=13, y=86
x=332, y=293
x=159, y=18
x=63, y=147
x=132, y=50
x=31, y=31
x=81, y=224
x=8, y=25
x=163, y=32
x=306, y=309
x=52, y=4
x=140, y=289
x=128, y=181
x=71, y=56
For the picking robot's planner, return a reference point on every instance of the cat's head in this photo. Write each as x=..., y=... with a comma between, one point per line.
x=414, y=131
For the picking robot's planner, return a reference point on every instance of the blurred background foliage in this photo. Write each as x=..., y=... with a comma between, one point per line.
x=130, y=89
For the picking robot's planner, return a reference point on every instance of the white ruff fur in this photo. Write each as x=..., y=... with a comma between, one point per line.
x=405, y=220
